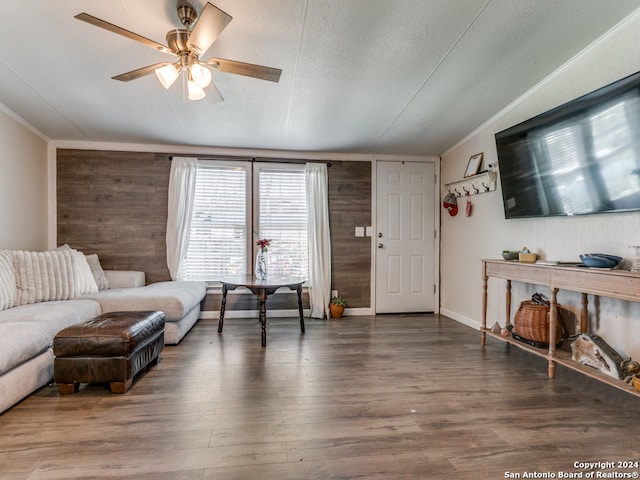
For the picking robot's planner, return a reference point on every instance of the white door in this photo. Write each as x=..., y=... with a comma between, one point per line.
x=405, y=237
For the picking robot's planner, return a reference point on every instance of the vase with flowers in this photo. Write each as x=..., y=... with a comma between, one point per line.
x=261, y=258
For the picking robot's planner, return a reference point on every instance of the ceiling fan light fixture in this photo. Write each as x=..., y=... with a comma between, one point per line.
x=187, y=44
x=201, y=75
x=167, y=75
x=194, y=91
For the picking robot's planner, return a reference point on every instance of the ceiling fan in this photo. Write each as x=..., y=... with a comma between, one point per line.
x=188, y=44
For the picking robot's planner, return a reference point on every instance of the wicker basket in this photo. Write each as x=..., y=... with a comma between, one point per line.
x=531, y=324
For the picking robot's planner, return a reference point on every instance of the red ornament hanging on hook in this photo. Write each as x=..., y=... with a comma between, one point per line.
x=468, y=206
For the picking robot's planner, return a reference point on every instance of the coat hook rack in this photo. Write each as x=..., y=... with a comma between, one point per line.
x=481, y=183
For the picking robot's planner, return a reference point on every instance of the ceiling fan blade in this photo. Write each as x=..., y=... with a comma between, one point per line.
x=210, y=24
x=140, y=72
x=213, y=94
x=85, y=17
x=246, y=69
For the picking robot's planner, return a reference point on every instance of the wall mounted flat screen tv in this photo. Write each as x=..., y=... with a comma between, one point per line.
x=582, y=157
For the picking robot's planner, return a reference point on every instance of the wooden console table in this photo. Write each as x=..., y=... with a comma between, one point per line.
x=618, y=284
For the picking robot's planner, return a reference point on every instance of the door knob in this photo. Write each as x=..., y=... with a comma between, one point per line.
x=380, y=245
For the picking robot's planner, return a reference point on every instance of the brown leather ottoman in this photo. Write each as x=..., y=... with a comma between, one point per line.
x=112, y=348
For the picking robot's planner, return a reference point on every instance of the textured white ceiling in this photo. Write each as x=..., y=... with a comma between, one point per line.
x=406, y=77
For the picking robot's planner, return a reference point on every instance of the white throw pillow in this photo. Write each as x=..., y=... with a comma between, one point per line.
x=86, y=283
x=44, y=276
x=98, y=273
x=84, y=279
x=8, y=290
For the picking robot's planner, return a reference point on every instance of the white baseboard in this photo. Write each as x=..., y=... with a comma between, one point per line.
x=358, y=311
x=251, y=313
x=469, y=322
x=276, y=313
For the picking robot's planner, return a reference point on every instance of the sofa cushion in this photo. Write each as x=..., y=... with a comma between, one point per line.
x=8, y=289
x=125, y=278
x=26, y=331
x=174, y=298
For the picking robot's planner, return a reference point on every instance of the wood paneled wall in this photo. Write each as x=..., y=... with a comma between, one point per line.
x=350, y=207
x=115, y=204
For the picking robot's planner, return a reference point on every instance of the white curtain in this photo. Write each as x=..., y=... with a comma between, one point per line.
x=182, y=184
x=319, y=280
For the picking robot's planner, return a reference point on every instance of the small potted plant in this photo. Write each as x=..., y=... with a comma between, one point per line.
x=336, y=307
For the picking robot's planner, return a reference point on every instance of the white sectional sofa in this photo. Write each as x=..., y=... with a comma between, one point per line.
x=43, y=292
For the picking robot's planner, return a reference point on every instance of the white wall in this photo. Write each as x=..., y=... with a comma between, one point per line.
x=467, y=240
x=23, y=187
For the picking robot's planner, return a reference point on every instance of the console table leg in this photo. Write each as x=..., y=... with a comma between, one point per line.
x=508, y=304
x=584, y=314
x=483, y=335
x=553, y=322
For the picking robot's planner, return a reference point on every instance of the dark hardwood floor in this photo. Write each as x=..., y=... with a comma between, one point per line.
x=386, y=397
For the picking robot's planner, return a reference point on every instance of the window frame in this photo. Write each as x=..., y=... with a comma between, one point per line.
x=255, y=212
x=251, y=168
x=243, y=165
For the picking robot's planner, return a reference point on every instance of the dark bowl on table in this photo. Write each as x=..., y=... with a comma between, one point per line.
x=600, y=260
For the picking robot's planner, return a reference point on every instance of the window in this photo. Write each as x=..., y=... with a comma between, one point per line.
x=237, y=203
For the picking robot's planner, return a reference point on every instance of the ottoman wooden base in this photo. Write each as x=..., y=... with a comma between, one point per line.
x=111, y=348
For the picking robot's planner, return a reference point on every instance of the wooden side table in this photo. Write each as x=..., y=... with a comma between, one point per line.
x=261, y=288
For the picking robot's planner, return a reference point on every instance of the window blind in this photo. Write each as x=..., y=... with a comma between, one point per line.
x=218, y=243
x=282, y=217
x=221, y=233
